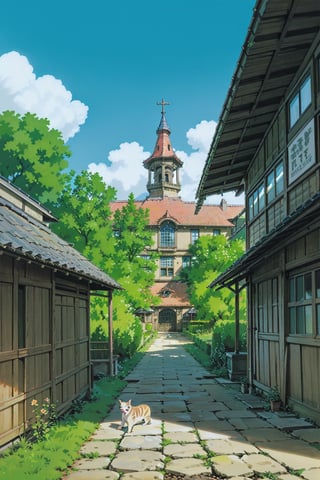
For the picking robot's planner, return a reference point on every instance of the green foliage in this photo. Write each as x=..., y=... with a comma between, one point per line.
x=223, y=340
x=32, y=156
x=45, y=417
x=212, y=255
x=84, y=213
x=113, y=242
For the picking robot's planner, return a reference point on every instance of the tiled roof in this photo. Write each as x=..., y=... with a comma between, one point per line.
x=183, y=213
x=21, y=234
x=178, y=296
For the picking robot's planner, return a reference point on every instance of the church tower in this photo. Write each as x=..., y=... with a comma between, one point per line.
x=163, y=165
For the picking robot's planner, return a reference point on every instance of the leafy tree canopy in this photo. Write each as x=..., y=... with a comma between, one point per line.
x=32, y=156
x=211, y=256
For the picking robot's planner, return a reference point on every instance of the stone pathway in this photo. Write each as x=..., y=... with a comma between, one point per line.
x=202, y=427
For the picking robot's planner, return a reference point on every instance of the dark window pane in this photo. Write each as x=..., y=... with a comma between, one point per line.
x=308, y=319
x=299, y=289
x=292, y=320
x=292, y=295
x=307, y=286
x=270, y=187
x=279, y=179
x=318, y=283
x=300, y=320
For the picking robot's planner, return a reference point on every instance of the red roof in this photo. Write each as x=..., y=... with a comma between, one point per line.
x=183, y=213
x=178, y=296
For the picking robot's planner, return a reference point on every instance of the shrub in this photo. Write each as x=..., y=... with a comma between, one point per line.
x=223, y=340
x=127, y=339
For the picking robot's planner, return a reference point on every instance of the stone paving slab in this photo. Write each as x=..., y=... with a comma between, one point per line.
x=142, y=476
x=226, y=414
x=255, y=435
x=295, y=454
x=178, y=437
x=92, y=463
x=311, y=435
x=291, y=423
x=230, y=465
x=230, y=446
x=176, y=450
x=177, y=427
x=99, y=447
x=261, y=464
x=143, y=442
x=249, y=423
x=94, y=475
x=138, y=460
x=187, y=466
x=312, y=474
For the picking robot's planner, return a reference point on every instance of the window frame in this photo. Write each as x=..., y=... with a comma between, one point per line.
x=166, y=266
x=167, y=234
x=296, y=106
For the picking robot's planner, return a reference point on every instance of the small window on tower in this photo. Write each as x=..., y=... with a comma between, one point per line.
x=169, y=147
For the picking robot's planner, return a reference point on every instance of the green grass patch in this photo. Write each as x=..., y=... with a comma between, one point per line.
x=199, y=355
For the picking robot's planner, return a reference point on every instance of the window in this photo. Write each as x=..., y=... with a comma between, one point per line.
x=194, y=235
x=300, y=102
x=256, y=202
x=186, y=262
x=216, y=231
x=304, y=292
x=21, y=317
x=166, y=266
x=167, y=234
x=146, y=262
x=275, y=183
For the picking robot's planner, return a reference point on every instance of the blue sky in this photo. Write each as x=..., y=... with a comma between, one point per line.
x=97, y=69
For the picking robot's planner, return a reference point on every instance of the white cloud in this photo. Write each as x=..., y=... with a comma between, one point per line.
x=46, y=96
x=127, y=174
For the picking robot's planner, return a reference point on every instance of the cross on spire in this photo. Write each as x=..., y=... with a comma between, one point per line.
x=163, y=103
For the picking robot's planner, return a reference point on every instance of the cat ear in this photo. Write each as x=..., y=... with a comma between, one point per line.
x=120, y=401
x=129, y=401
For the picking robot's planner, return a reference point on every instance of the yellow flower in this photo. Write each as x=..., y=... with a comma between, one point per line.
x=43, y=411
x=34, y=403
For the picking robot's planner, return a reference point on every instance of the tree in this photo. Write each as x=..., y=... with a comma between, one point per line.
x=133, y=271
x=32, y=156
x=212, y=255
x=84, y=214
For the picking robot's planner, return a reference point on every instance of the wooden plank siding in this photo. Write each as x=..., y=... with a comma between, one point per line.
x=53, y=358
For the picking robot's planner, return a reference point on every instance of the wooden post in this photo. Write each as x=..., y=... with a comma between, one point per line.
x=110, y=329
x=237, y=318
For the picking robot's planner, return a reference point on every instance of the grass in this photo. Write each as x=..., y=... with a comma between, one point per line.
x=199, y=355
x=50, y=458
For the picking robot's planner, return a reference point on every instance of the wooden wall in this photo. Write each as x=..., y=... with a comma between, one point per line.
x=44, y=342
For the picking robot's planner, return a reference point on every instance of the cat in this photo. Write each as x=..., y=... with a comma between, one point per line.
x=131, y=415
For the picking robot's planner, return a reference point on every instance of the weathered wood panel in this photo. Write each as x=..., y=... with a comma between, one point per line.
x=310, y=360
x=302, y=192
x=6, y=314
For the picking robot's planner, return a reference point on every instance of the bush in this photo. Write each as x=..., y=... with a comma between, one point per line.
x=127, y=340
x=223, y=340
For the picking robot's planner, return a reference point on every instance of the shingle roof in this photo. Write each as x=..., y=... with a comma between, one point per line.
x=178, y=297
x=33, y=240
x=183, y=213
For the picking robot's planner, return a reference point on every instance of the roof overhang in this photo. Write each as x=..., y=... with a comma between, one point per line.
x=242, y=268
x=278, y=40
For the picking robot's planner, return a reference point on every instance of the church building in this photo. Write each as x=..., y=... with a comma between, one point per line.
x=175, y=226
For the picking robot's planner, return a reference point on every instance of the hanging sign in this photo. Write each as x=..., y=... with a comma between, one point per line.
x=301, y=152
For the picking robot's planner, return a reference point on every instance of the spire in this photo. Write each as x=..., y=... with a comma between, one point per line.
x=163, y=125
x=163, y=165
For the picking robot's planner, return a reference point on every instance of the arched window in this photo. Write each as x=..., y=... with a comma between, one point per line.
x=167, y=234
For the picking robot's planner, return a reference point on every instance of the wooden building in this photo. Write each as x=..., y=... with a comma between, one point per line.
x=267, y=145
x=174, y=227
x=45, y=287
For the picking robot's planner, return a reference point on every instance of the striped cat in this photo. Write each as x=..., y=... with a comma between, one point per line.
x=133, y=415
